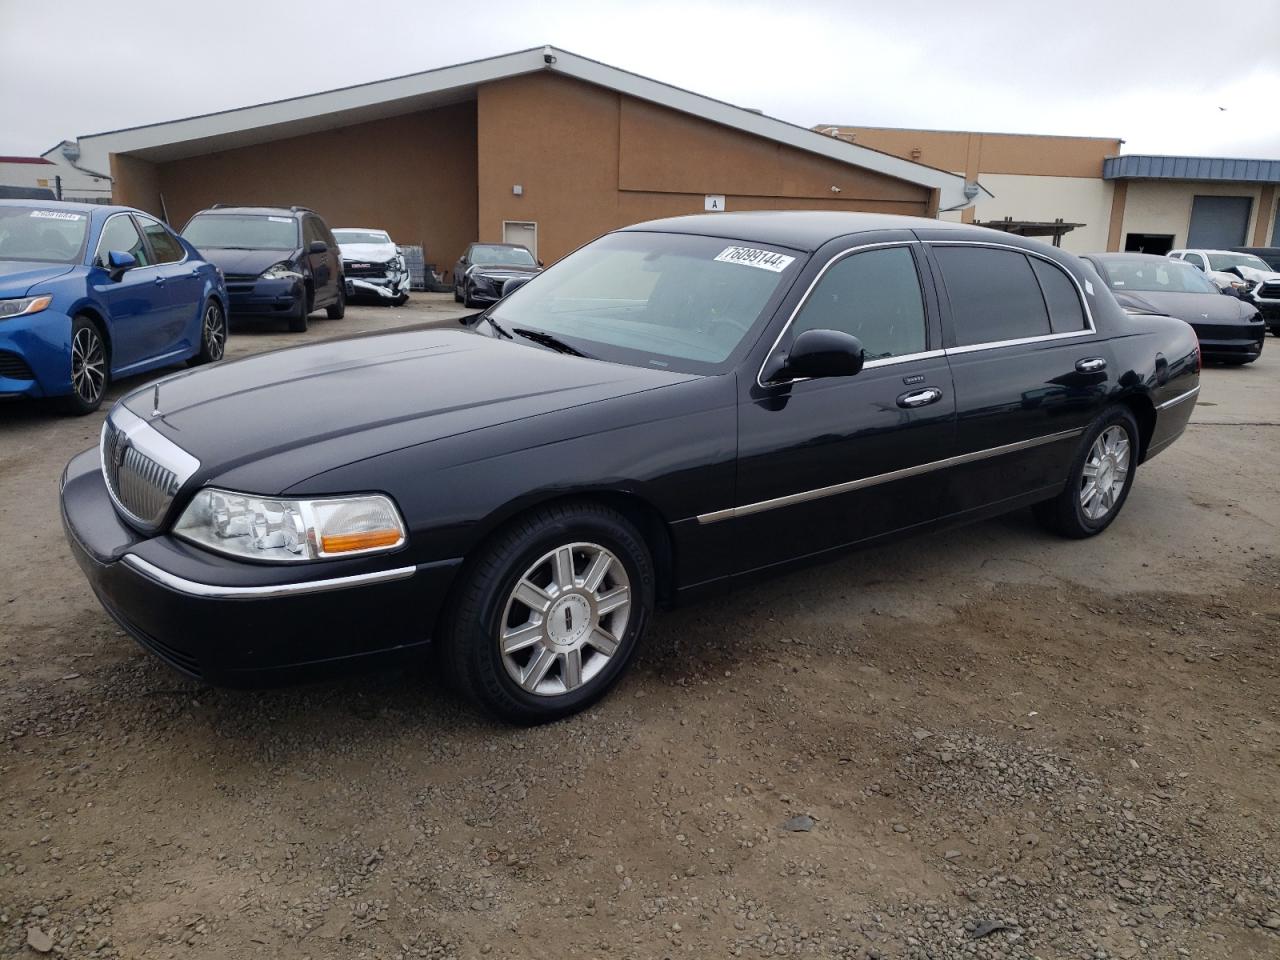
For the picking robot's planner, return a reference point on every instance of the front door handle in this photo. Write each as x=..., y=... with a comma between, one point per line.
x=1091, y=365
x=159, y=281
x=920, y=398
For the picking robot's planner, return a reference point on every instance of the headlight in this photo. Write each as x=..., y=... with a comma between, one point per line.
x=20, y=308
x=284, y=270
x=290, y=531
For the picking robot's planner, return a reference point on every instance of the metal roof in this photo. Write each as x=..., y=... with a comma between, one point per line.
x=1136, y=166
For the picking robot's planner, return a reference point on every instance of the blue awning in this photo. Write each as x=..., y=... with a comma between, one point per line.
x=1138, y=166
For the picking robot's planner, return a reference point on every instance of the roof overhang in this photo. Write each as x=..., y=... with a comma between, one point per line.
x=1137, y=166
x=457, y=84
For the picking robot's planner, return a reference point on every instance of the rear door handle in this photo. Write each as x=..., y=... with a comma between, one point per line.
x=920, y=398
x=1091, y=365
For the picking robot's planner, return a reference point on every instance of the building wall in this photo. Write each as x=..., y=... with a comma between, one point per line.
x=412, y=175
x=1084, y=200
x=590, y=160
x=1164, y=206
x=41, y=172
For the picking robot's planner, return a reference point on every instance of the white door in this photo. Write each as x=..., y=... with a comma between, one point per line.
x=522, y=232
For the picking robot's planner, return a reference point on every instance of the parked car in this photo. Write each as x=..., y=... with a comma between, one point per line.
x=1249, y=277
x=479, y=276
x=373, y=265
x=91, y=293
x=1229, y=329
x=674, y=408
x=278, y=261
x=1271, y=255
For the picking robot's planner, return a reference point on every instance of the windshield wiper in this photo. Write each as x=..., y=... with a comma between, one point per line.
x=550, y=340
x=498, y=328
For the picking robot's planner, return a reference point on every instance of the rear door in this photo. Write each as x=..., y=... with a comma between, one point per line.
x=830, y=462
x=133, y=302
x=177, y=323
x=324, y=277
x=1030, y=373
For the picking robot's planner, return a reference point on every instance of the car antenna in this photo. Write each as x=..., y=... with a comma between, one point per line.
x=155, y=403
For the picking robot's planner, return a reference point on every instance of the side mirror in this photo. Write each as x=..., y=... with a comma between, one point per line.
x=318, y=246
x=541, y=264
x=119, y=262
x=513, y=284
x=819, y=353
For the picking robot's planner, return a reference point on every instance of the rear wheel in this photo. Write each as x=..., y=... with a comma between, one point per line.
x=213, y=335
x=1100, y=478
x=338, y=309
x=548, y=616
x=89, y=370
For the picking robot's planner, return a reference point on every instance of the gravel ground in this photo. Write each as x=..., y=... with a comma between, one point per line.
x=988, y=743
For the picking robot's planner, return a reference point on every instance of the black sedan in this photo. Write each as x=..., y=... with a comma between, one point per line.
x=671, y=410
x=1229, y=329
x=481, y=272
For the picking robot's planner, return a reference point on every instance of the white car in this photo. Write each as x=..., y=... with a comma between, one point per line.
x=373, y=264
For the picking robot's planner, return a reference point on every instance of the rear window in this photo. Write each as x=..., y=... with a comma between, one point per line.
x=239, y=231
x=994, y=295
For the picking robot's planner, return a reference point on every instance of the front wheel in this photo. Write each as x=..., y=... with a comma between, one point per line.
x=213, y=335
x=1101, y=475
x=89, y=370
x=467, y=299
x=549, y=614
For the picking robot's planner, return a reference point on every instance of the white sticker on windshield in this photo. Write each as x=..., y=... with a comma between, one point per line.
x=56, y=215
x=751, y=257
x=280, y=219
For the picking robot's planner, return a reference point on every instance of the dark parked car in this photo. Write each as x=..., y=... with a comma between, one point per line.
x=89, y=293
x=278, y=261
x=1229, y=329
x=670, y=410
x=481, y=273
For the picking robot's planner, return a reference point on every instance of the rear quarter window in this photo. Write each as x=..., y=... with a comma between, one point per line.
x=1066, y=315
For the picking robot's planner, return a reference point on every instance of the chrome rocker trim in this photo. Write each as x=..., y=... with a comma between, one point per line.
x=851, y=485
x=1179, y=398
x=211, y=591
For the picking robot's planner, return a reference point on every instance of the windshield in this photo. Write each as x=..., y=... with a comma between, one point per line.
x=495, y=256
x=41, y=234
x=657, y=299
x=361, y=236
x=1152, y=276
x=241, y=231
x=1221, y=261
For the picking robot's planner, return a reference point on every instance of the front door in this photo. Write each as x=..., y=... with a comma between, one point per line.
x=134, y=300
x=830, y=462
x=1030, y=372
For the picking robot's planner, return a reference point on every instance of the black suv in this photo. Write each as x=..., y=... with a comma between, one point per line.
x=278, y=261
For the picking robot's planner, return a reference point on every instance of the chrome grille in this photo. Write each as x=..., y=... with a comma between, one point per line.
x=143, y=470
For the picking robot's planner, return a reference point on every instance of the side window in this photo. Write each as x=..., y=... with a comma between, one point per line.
x=311, y=231
x=121, y=234
x=994, y=295
x=1065, y=313
x=1195, y=260
x=163, y=244
x=873, y=295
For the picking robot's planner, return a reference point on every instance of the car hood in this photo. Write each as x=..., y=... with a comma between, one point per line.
x=1258, y=276
x=373, y=252
x=1197, y=308
x=504, y=270
x=245, y=262
x=19, y=276
x=271, y=421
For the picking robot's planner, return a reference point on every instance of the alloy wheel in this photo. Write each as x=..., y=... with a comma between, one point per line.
x=214, y=332
x=565, y=619
x=1105, y=471
x=88, y=365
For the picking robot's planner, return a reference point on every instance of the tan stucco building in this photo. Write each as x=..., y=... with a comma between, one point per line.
x=542, y=146
x=1115, y=201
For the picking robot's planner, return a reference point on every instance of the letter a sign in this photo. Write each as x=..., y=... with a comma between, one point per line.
x=713, y=203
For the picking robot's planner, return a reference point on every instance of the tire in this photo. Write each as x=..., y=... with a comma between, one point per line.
x=1067, y=514
x=566, y=661
x=467, y=299
x=457, y=297
x=213, y=334
x=298, y=321
x=401, y=300
x=90, y=368
x=338, y=309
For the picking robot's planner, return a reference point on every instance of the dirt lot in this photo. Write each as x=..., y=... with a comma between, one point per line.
x=1006, y=745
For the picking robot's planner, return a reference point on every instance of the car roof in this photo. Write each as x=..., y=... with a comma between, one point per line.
x=1207, y=250
x=361, y=229
x=70, y=206
x=487, y=243
x=258, y=211
x=805, y=229
x=1123, y=255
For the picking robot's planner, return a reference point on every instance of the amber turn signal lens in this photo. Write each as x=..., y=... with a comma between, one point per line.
x=369, y=540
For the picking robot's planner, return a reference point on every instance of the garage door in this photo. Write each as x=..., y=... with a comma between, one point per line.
x=1219, y=222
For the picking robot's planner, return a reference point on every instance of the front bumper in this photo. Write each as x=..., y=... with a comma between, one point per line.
x=254, y=295
x=1222, y=342
x=385, y=288
x=244, y=625
x=35, y=355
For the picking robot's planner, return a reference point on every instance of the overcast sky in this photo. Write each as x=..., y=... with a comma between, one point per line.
x=1157, y=75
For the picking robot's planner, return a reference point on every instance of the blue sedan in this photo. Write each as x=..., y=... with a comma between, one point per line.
x=89, y=293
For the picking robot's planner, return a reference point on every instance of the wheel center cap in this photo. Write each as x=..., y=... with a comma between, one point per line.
x=1107, y=474
x=569, y=620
